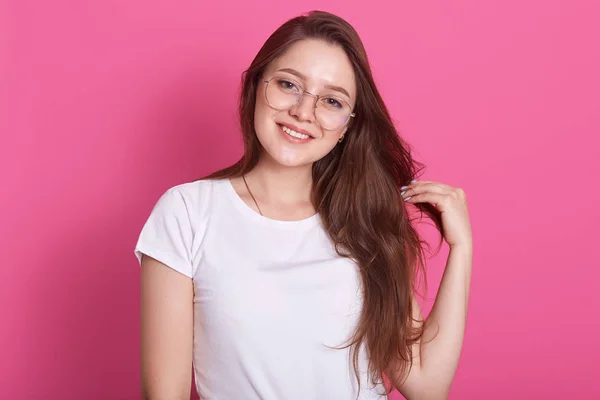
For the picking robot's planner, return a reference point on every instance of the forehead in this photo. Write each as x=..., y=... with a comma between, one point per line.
x=322, y=64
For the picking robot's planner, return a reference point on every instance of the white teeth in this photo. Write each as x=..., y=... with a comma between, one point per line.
x=294, y=133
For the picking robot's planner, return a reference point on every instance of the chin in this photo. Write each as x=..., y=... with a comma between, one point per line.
x=290, y=160
x=292, y=156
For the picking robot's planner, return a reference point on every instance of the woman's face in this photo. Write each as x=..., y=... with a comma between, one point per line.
x=321, y=69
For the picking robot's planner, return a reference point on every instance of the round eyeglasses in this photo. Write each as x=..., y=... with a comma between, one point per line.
x=331, y=111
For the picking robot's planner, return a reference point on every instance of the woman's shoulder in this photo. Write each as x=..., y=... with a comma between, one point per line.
x=199, y=187
x=196, y=196
x=195, y=191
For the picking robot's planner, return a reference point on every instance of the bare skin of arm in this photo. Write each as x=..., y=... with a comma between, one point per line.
x=166, y=336
x=436, y=356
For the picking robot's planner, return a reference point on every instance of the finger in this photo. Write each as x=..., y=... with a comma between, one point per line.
x=433, y=187
x=427, y=197
x=426, y=183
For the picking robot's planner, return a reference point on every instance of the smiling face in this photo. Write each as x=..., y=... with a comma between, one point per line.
x=316, y=67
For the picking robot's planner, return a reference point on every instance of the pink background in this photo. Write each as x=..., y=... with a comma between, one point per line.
x=106, y=104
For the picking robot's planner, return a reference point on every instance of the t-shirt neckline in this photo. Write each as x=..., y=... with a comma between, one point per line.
x=249, y=212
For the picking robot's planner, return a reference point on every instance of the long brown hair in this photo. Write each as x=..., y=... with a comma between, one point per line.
x=356, y=191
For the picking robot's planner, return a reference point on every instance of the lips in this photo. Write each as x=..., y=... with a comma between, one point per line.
x=295, y=128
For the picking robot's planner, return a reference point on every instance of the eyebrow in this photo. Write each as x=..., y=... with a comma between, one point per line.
x=303, y=77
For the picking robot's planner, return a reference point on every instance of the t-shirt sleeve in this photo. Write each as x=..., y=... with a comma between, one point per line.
x=167, y=234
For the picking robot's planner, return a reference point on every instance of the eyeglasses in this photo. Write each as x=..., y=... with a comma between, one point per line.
x=331, y=112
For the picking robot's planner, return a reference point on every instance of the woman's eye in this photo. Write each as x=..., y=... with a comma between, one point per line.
x=287, y=85
x=333, y=102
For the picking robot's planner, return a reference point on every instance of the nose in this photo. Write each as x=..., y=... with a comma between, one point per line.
x=304, y=110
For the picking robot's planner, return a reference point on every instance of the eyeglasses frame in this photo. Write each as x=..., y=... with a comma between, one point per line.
x=316, y=96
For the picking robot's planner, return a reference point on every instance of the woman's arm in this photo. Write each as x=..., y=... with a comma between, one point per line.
x=166, y=332
x=436, y=355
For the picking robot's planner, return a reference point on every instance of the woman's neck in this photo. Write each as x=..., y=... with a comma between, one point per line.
x=275, y=183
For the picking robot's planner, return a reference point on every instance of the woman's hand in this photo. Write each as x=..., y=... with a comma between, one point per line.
x=451, y=202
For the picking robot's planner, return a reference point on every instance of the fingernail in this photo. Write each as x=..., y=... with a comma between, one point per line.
x=408, y=198
x=402, y=193
x=413, y=181
x=404, y=187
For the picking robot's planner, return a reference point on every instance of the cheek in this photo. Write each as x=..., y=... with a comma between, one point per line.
x=263, y=114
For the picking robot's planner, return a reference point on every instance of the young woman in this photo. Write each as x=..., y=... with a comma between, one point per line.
x=291, y=274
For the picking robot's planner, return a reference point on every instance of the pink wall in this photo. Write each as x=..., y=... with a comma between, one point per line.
x=105, y=104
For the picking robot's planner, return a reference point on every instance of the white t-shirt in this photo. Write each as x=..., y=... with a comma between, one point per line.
x=269, y=296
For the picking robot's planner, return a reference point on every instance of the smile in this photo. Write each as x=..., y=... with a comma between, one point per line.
x=294, y=133
x=292, y=136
